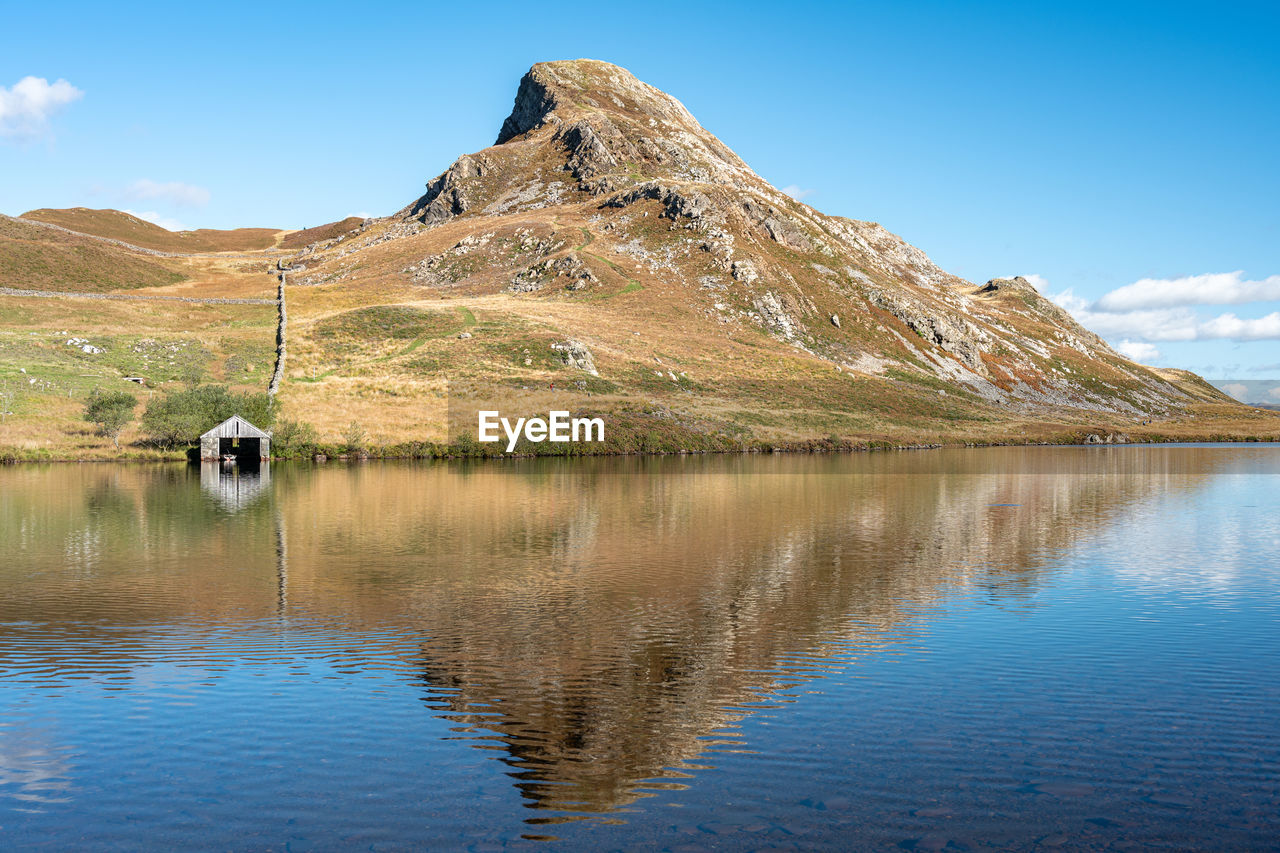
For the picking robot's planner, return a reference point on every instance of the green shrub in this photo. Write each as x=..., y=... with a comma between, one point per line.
x=111, y=411
x=294, y=439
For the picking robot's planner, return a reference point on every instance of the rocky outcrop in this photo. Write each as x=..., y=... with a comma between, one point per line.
x=937, y=327
x=1081, y=339
x=576, y=354
x=775, y=315
x=889, y=254
x=676, y=201
x=595, y=146
x=744, y=270
x=536, y=276
x=780, y=228
x=1017, y=284
x=608, y=120
x=446, y=196
x=536, y=99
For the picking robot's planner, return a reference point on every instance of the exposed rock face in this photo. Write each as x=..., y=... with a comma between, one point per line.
x=446, y=195
x=576, y=354
x=535, y=101
x=775, y=315
x=949, y=331
x=606, y=109
x=744, y=270
x=536, y=277
x=1017, y=284
x=779, y=227
x=676, y=202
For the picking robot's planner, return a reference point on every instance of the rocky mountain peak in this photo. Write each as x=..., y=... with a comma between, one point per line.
x=611, y=122
x=559, y=92
x=599, y=130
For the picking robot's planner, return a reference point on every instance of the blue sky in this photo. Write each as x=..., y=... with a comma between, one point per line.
x=1094, y=145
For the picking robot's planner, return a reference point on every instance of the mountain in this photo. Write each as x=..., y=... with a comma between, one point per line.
x=607, y=254
x=605, y=215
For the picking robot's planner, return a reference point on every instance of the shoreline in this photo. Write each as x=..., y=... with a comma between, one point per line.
x=444, y=453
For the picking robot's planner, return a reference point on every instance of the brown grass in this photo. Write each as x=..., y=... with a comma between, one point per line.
x=116, y=225
x=378, y=349
x=307, y=236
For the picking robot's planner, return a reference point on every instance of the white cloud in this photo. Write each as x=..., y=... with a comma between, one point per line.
x=1138, y=351
x=1232, y=328
x=174, y=192
x=1067, y=299
x=1235, y=389
x=363, y=215
x=25, y=108
x=1173, y=322
x=795, y=192
x=1274, y=393
x=1039, y=282
x=158, y=219
x=1221, y=288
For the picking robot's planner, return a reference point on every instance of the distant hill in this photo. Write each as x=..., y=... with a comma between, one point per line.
x=117, y=225
x=307, y=236
x=1263, y=393
x=36, y=258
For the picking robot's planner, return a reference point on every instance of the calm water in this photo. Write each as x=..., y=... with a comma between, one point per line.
x=1004, y=648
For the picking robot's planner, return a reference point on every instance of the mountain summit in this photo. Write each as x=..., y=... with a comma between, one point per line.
x=608, y=118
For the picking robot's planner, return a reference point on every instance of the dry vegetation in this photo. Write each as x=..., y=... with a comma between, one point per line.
x=381, y=350
x=116, y=225
x=307, y=236
x=35, y=258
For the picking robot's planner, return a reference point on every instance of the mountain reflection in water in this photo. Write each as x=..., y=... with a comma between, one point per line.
x=604, y=627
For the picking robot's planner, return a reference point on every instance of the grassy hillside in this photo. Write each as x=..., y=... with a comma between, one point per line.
x=116, y=225
x=35, y=258
x=307, y=236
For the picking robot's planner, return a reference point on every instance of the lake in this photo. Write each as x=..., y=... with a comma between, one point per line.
x=1006, y=648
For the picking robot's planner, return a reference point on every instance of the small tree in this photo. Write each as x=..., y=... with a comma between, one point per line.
x=354, y=437
x=111, y=411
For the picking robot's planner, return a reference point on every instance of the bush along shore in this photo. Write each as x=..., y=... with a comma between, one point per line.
x=170, y=425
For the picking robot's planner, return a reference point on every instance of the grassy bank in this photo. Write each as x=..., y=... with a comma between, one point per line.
x=639, y=435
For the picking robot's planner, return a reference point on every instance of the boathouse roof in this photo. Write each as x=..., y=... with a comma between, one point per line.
x=236, y=427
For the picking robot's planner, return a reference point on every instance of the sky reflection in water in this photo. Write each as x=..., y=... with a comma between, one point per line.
x=995, y=648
